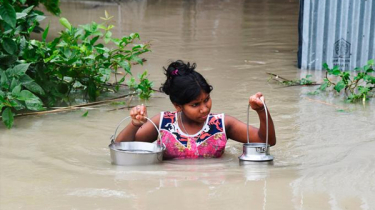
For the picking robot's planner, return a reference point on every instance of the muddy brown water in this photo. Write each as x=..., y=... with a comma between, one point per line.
x=324, y=155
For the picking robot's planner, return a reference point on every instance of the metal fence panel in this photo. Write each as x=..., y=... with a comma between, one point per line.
x=336, y=32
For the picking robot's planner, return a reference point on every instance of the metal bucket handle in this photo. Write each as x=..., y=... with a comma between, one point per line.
x=159, y=136
x=264, y=149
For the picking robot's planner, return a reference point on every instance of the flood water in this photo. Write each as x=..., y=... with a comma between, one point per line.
x=324, y=155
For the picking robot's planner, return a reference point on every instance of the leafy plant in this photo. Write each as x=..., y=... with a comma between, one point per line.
x=78, y=62
x=52, y=6
x=16, y=25
x=144, y=87
x=21, y=17
x=355, y=87
x=304, y=81
x=16, y=93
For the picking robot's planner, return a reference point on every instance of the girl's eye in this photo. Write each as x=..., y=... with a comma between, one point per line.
x=208, y=98
x=194, y=105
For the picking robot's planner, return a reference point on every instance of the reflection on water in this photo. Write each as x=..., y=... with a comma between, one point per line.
x=323, y=158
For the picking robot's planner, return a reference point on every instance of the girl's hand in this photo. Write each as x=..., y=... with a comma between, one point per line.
x=138, y=115
x=255, y=102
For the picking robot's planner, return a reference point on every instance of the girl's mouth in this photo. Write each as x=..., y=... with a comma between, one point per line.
x=204, y=117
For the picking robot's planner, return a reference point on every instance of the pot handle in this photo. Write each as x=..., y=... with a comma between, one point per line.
x=159, y=136
x=265, y=109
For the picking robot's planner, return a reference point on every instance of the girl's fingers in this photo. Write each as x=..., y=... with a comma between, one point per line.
x=139, y=113
x=256, y=101
x=143, y=110
x=262, y=98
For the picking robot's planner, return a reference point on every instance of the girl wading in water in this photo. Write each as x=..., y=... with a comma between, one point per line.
x=192, y=131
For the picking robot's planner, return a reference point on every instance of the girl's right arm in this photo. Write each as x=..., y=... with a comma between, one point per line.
x=139, y=129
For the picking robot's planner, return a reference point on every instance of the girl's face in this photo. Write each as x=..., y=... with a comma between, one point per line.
x=198, y=109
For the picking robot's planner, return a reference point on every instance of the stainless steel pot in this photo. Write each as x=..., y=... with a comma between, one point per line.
x=256, y=151
x=136, y=153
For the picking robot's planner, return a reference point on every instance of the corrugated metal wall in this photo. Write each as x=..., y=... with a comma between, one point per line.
x=336, y=32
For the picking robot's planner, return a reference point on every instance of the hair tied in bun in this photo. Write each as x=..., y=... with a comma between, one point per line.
x=175, y=72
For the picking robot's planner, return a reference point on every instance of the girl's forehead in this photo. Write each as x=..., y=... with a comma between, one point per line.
x=201, y=97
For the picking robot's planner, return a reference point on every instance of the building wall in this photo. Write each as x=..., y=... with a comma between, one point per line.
x=336, y=32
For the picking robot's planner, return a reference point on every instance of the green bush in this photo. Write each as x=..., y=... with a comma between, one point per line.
x=356, y=86
x=18, y=91
x=78, y=60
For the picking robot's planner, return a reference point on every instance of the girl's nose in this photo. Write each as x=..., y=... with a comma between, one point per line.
x=203, y=109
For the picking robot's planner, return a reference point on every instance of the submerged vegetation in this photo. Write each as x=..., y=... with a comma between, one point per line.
x=357, y=86
x=296, y=82
x=37, y=74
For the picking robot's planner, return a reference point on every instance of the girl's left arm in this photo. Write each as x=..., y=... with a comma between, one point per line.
x=237, y=130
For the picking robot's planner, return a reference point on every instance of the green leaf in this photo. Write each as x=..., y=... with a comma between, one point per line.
x=24, y=79
x=85, y=114
x=20, y=69
x=369, y=70
x=336, y=72
x=137, y=59
x=14, y=83
x=121, y=80
x=363, y=90
x=52, y=6
x=336, y=67
x=2, y=95
x=126, y=66
x=35, y=105
x=45, y=33
x=16, y=91
x=366, y=67
x=93, y=40
x=339, y=86
x=8, y=117
x=107, y=36
x=34, y=87
x=369, y=78
x=4, y=82
x=32, y=101
x=16, y=104
x=20, y=15
x=2, y=101
x=137, y=47
x=26, y=95
x=27, y=10
x=116, y=41
x=134, y=36
x=65, y=23
x=8, y=14
x=9, y=45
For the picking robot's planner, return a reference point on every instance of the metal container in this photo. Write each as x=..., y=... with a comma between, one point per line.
x=257, y=152
x=136, y=153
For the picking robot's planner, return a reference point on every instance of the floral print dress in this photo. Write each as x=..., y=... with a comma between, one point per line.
x=209, y=142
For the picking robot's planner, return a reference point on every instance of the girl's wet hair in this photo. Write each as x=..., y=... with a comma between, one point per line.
x=183, y=83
